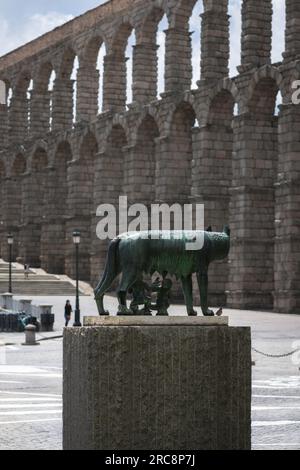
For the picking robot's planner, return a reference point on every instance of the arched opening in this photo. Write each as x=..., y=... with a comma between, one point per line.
x=4, y=107
x=41, y=101
x=19, y=166
x=34, y=208
x=2, y=175
x=182, y=47
x=139, y=178
x=29, y=97
x=2, y=92
x=15, y=198
x=279, y=19
x=108, y=187
x=116, y=143
x=149, y=57
x=212, y=178
x=100, y=68
x=129, y=67
x=235, y=37
x=9, y=96
x=74, y=82
x=19, y=110
x=161, y=53
x=90, y=80
x=195, y=29
x=145, y=159
x=81, y=174
x=176, y=155
x=39, y=160
x=2, y=170
x=255, y=167
x=3, y=241
x=64, y=92
x=54, y=228
x=263, y=99
x=118, y=70
x=50, y=92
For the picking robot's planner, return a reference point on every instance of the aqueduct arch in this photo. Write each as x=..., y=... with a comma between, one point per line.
x=189, y=145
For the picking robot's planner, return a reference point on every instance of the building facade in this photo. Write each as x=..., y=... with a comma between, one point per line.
x=222, y=144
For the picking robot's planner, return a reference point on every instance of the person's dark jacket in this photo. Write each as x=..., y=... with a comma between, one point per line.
x=68, y=310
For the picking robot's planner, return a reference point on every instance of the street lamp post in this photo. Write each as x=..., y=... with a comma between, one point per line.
x=76, y=241
x=10, y=241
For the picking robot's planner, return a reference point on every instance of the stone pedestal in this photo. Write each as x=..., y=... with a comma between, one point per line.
x=157, y=383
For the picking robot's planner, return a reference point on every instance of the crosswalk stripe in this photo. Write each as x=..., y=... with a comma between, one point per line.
x=30, y=394
x=294, y=397
x=266, y=408
x=34, y=412
x=273, y=423
x=30, y=405
x=30, y=421
x=32, y=399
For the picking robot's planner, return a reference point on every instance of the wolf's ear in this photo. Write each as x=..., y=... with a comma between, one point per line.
x=226, y=230
x=209, y=229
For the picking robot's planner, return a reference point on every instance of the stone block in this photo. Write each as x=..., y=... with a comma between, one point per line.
x=141, y=383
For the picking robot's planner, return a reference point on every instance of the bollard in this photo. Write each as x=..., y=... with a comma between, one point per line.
x=8, y=301
x=30, y=340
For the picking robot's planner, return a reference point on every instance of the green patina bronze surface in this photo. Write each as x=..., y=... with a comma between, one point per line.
x=135, y=254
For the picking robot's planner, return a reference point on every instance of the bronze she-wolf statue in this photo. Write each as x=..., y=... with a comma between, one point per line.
x=135, y=254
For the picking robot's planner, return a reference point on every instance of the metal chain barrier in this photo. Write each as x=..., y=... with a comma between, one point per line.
x=276, y=356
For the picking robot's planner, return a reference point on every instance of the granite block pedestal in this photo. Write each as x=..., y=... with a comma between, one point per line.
x=155, y=383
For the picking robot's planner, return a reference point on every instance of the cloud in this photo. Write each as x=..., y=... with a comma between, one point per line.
x=34, y=26
x=23, y=29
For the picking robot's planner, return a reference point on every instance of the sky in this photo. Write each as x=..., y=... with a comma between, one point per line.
x=35, y=17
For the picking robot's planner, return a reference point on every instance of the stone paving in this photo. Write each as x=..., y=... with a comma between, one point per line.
x=30, y=382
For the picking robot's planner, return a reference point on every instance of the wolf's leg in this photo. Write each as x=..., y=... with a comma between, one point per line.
x=100, y=305
x=187, y=286
x=203, y=288
x=128, y=279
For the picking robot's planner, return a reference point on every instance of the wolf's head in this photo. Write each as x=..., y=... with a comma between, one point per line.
x=219, y=244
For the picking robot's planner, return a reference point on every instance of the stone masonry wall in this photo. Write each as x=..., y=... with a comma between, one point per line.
x=221, y=144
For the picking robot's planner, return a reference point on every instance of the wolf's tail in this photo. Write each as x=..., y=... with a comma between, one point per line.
x=111, y=269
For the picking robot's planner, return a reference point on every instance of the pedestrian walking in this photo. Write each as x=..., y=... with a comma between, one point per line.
x=26, y=271
x=68, y=312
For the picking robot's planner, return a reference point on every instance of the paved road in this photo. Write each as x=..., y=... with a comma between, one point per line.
x=30, y=383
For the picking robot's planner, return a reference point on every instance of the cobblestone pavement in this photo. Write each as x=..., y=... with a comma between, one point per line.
x=30, y=383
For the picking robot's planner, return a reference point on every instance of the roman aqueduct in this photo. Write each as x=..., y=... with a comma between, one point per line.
x=222, y=144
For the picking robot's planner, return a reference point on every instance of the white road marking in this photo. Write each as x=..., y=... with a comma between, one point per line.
x=31, y=394
x=16, y=369
x=263, y=408
x=26, y=374
x=31, y=421
x=277, y=445
x=273, y=387
x=5, y=400
x=294, y=397
x=11, y=382
x=273, y=423
x=32, y=405
x=28, y=371
x=35, y=412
